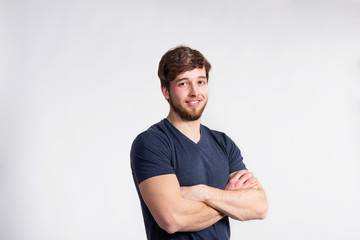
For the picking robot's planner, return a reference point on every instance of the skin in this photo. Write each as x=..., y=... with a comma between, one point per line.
x=186, y=88
x=197, y=207
x=243, y=197
x=171, y=210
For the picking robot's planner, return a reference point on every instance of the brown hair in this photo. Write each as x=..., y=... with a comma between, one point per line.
x=178, y=60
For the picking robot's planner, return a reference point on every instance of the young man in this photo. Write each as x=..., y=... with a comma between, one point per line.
x=189, y=178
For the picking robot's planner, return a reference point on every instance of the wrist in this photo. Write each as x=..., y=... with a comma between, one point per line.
x=208, y=193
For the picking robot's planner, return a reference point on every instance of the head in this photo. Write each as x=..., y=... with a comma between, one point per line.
x=179, y=60
x=183, y=73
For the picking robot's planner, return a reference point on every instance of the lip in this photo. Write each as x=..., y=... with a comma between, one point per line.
x=194, y=102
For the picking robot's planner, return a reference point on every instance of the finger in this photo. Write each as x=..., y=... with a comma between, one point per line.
x=240, y=173
x=245, y=177
x=255, y=185
x=229, y=186
x=233, y=184
x=244, y=181
x=237, y=175
x=238, y=179
x=250, y=181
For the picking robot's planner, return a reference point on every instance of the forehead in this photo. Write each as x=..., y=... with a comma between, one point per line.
x=192, y=74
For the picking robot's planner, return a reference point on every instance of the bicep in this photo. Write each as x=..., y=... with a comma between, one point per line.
x=170, y=210
x=160, y=194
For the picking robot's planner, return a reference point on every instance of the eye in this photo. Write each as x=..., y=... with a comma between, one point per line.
x=202, y=82
x=183, y=84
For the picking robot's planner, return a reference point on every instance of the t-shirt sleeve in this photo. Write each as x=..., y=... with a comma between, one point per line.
x=150, y=156
x=234, y=154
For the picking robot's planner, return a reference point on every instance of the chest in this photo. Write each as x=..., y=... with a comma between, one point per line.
x=200, y=164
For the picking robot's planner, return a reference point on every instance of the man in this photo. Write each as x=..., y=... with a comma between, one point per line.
x=189, y=178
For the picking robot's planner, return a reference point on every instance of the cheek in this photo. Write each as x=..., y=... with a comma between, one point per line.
x=205, y=92
x=179, y=94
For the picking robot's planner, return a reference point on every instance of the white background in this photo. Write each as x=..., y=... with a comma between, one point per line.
x=78, y=82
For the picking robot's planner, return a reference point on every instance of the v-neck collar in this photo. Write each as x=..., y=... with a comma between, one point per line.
x=183, y=135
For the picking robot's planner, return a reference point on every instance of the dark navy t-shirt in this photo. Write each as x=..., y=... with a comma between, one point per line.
x=163, y=149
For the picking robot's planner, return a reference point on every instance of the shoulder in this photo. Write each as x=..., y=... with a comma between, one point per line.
x=223, y=140
x=154, y=136
x=151, y=153
x=218, y=135
x=230, y=149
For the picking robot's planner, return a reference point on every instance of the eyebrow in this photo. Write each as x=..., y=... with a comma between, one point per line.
x=182, y=79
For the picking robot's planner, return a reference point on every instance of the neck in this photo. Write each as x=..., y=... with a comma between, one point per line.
x=190, y=129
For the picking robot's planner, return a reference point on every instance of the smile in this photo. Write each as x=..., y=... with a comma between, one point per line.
x=193, y=103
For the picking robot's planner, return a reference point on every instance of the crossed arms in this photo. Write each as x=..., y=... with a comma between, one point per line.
x=197, y=207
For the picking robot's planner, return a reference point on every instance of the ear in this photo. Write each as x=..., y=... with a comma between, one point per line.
x=165, y=92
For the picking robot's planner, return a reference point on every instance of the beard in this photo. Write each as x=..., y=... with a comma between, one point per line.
x=185, y=114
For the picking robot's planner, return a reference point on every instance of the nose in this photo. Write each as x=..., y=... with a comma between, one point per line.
x=194, y=90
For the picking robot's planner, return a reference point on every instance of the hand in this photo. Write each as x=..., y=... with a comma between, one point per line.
x=242, y=179
x=195, y=192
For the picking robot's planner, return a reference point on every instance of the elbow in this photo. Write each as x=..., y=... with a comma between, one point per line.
x=170, y=228
x=259, y=212
x=169, y=224
x=263, y=210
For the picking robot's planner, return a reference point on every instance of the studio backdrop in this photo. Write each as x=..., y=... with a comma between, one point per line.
x=78, y=82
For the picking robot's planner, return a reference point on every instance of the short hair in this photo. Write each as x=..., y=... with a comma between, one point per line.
x=178, y=60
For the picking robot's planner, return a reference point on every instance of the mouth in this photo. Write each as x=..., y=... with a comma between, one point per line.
x=193, y=102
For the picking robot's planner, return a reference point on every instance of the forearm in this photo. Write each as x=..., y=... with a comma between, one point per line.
x=195, y=216
x=240, y=204
x=173, y=212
